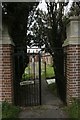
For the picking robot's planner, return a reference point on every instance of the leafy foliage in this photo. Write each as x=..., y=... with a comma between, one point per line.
x=74, y=109
x=49, y=72
x=75, y=9
x=15, y=16
x=37, y=28
x=9, y=111
x=27, y=75
x=56, y=37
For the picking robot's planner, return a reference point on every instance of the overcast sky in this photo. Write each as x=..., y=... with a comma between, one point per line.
x=43, y=6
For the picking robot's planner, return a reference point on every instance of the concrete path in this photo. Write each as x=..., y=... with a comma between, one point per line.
x=51, y=106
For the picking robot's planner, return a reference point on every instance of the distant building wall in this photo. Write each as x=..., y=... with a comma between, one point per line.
x=46, y=57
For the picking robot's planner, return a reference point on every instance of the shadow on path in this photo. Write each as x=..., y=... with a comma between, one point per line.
x=51, y=106
x=47, y=97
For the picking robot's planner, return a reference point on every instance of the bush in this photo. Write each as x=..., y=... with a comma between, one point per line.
x=9, y=111
x=74, y=109
x=26, y=75
x=49, y=72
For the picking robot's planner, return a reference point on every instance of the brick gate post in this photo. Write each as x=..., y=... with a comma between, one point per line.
x=72, y=48
x=6, y=67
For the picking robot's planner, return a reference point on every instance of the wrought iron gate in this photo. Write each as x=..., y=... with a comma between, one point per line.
x=27, y=79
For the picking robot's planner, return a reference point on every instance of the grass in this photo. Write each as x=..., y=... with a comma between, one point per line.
x=9, y=111
x=74, y=109
x=0, y=109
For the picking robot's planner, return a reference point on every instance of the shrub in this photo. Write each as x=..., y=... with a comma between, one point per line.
x=9, y=111
x=26, y=75
x=49, y=72
x=74, y=109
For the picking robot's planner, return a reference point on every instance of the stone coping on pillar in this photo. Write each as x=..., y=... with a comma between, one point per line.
x=5, y=37
x=6, y=41
x=71, y=41
x=73, y=31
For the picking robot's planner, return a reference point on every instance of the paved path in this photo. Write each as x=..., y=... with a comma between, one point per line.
x=51, y=107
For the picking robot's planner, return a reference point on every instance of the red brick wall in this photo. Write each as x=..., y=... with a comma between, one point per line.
x=73, y=72
x=7, y=73
x=0, y=72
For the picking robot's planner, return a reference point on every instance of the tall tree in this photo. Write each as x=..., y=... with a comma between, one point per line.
x=56, y=36
x=37, y=28
x=75, y=9
x=15, y=16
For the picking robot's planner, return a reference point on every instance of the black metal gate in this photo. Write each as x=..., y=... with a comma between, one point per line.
x=27, y=79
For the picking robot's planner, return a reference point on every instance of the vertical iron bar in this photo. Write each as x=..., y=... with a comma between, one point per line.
x=23, y=67
x=14, y=76
x=29, y=92
x=34, y=68
x=26, y=95
x=40, y=77
x=45, y=70
x=34, y=82
x=29, y=67
x=18, y=87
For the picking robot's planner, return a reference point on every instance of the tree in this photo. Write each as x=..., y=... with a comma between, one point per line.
x=75, y=9
x=37, y=28
x=15, y=16
x=56, y=38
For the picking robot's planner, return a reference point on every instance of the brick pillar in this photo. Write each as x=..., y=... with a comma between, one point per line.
x=6, y=67
x=0, y=72
x=72, y=48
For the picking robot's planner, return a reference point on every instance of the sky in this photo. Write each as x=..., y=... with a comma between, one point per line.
x=43, y=6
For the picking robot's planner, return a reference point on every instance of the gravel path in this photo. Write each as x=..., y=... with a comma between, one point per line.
x=51, y=107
